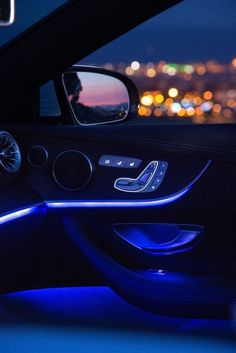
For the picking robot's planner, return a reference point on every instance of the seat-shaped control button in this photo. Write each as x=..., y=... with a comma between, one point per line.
x=144, y=178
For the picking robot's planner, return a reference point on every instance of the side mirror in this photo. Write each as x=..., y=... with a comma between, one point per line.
x=7, y=12
x=97, y=96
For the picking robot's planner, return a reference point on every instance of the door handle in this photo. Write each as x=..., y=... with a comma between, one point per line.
x=162, y=292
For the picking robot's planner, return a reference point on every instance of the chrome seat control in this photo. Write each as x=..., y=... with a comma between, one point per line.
x=148, y=181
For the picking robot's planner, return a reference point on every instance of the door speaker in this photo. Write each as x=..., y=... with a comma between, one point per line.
x=72, y=170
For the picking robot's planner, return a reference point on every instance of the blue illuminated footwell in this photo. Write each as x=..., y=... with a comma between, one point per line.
x=59, y=339
x=95, y=319
x=94, y=306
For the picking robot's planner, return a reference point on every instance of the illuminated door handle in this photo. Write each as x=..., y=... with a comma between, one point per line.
x=149, y=180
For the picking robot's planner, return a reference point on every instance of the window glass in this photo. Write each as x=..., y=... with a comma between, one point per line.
x=48, y=101
x=183, y=62
x=27, y=13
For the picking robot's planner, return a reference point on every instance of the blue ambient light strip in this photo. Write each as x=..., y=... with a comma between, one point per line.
x=14, y=215
x=134, y=203
x=129, y=203
x=11, y=216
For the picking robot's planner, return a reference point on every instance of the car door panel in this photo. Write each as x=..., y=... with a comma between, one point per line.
x=215, y=251
x=171, y=250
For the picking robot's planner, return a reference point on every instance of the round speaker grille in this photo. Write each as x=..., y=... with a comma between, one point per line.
x=72, y=170
x=37, y=156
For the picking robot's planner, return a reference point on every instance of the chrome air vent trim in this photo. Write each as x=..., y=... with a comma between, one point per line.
x=10, y=156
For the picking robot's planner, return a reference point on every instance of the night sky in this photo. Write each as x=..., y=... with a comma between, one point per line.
x=195, y=30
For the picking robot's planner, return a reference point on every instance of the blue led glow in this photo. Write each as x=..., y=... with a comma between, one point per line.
x=95, y=319
x=104, y=204
x=11, y=216
x=159, y=238
x=129, y=203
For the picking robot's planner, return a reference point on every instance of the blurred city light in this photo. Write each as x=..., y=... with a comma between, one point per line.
x=194, y=92
x=135, y=65
x=159, y=98
x=208, y=95
x=129, y=71
x=147, y=100
x=151, y=72
x=234, y=62
x=175, y=107
x=173, y=92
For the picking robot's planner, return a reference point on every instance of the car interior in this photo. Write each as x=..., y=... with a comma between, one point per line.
x=121, y=233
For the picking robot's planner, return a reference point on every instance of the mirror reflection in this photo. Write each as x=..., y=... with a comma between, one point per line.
x=96, y=98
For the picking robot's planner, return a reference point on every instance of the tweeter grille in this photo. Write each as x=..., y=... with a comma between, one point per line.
x=37, y=156
x=10, y=156
x=72, y=170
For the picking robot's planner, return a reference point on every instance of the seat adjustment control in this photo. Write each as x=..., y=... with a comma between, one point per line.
x=119, y=162
x=148, y=181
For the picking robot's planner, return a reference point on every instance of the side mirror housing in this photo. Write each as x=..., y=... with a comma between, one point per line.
x=97, y=96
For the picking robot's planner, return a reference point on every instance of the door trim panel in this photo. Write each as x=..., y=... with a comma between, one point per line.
x=132, y=203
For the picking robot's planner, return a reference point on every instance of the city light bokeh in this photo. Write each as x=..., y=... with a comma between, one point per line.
x=199, y=92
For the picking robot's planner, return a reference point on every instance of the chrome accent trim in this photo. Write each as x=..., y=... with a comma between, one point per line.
x=46, y=154
x=13, y=144
x=90, y=167
x=133, y=179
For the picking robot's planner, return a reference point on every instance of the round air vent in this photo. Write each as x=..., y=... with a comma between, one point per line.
x=72, y=170
x=10, y=156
